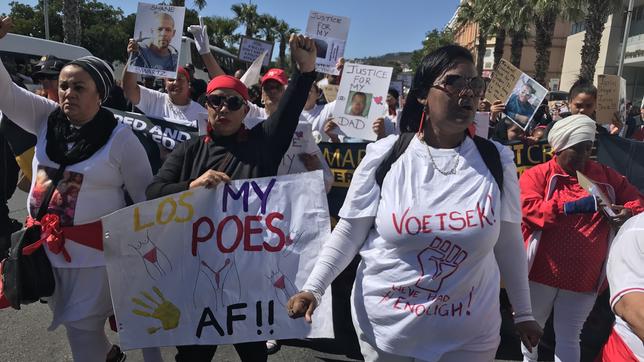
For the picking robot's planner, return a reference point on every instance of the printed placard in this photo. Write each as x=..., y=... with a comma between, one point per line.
x=157, y=31
x=361, y=99
x=521, y=94
x=217, y=266
x=250, y=49
x=330, y=34
x=330, y=92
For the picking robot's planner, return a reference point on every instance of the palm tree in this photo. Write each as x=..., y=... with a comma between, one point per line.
x=596, y=15
x=222, y=31
x=284, y=31
x=267, y=25
x=247, y=16
x=71, y=22
x=477, y=11
x=200, y=4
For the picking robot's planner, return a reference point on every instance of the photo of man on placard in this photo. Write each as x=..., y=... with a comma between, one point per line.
x=524, y=100
x=157, y=51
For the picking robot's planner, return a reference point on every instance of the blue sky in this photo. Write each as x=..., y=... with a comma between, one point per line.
x=377, y=26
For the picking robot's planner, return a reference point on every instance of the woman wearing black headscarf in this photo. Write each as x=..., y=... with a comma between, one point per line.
x=100, y=157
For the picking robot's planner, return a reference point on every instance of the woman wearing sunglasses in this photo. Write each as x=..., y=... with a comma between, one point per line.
x=229, y=151
x=435, y=237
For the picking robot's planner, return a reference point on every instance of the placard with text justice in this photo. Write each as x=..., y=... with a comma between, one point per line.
x=217, y=266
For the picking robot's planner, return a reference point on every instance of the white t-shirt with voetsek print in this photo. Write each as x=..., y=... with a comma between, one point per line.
x=428, y=270
x=625, y=274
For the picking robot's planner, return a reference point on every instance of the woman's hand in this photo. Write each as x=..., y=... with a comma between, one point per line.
x=329, y=127
x=495, y=110
x=304, y=52
x=622, y=214
x=210, y=179
x=311, y=162
x=132, y=46
x=530, y=332
x=379, y=127
x=302, y=304
x=5, y=25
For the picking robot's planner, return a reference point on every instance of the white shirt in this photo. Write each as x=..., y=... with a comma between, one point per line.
x=420, y=232
x=318, y=117
x=625, y=274
x=158, y=105
x=302, y=142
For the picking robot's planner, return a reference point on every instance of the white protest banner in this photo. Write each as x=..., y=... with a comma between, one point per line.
x=155, y=31
x=250, y=49
x=330, y=33
x=217, y=266
x=361, y=99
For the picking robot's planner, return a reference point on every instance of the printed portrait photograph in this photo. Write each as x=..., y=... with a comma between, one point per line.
x=158, y=34
x=524, y=100
x=358, y=104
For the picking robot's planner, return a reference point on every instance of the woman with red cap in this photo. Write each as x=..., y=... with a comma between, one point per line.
x=230, y=151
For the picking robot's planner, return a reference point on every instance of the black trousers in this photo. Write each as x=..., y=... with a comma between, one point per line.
x=8, y=179
x=248, y=352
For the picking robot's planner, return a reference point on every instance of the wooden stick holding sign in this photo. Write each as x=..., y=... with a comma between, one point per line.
x=521, y=94
x=361, y=99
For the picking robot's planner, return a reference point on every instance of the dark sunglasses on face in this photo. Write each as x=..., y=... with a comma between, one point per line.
x=233, y=102
x=456, y=85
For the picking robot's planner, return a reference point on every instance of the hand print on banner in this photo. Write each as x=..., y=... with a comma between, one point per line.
x=221, y=279
x=438, y=262
x=282, y=284
x=164, y=311
x=156, y=262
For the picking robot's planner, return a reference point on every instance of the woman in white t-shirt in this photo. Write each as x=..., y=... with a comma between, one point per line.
x=102, y=158
x=435, y=237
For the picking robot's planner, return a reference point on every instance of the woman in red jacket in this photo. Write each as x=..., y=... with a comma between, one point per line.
x=567, y=233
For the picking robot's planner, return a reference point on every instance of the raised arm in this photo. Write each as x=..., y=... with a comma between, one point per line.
x=130, y=87
x=26, y=109
x=281, y=125
x=200, y=33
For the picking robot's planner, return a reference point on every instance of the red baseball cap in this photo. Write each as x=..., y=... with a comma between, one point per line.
x=183, y=71
x=275, y=74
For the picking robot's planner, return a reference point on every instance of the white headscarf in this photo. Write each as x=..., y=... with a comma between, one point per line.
x=570, y=131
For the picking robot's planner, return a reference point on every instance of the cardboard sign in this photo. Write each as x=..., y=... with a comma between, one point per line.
x=330, y=33
x=330, y=92
x=608, y=97
x=361, y=99
x=250, y=49
x=521, y=94
x=157, y=30
x=217, y=266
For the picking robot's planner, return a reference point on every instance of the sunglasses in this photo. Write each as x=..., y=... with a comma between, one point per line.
x=233, y=102
x=456, y=85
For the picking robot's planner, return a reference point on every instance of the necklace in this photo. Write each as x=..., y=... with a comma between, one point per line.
x=445, y=172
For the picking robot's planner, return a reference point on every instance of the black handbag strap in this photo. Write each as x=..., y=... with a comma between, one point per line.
x=50, y=192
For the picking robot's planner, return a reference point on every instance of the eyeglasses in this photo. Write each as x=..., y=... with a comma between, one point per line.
x=233, y=102
x=456, y=85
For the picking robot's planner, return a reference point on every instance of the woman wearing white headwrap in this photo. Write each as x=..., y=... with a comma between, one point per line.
x=566, y=234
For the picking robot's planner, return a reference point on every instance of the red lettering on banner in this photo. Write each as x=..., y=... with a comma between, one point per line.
x=195, y=233
x=277, y=231
x=238, y=236
x=249, y=230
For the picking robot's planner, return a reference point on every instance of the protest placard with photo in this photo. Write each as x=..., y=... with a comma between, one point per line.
x=361, y=99
x=521, y=94
x=330, y=34
x=218, y=266
x=250, y=49
x=157, y=31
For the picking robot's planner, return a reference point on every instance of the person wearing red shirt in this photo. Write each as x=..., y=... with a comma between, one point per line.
x=567, y=232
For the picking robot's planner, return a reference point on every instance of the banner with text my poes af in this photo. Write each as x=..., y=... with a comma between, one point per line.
x=217, y=266
x=361, y=99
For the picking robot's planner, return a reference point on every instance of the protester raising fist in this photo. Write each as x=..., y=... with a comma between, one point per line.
x=304, y=52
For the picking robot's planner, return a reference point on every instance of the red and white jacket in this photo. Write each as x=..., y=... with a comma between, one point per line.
x=569, y=251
